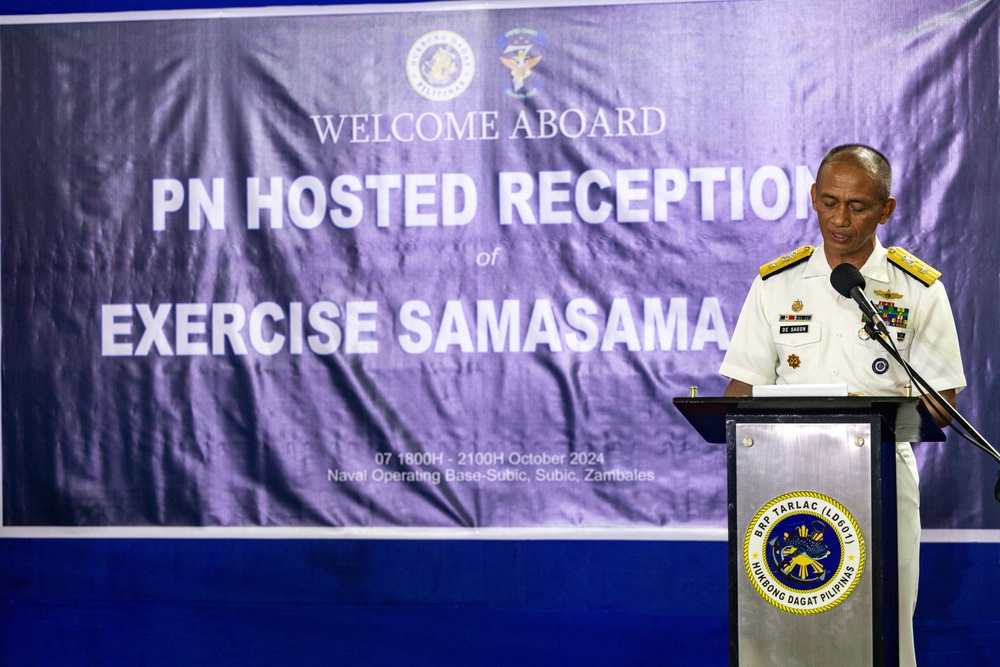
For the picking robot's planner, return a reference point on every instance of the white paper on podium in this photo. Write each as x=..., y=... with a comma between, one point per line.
x=783, y=390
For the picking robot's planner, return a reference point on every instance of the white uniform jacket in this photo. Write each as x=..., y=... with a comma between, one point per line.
x=795, y=328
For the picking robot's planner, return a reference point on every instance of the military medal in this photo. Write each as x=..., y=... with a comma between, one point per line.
x=893, y=315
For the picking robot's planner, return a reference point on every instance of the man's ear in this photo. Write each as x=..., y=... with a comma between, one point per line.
x=887, y=208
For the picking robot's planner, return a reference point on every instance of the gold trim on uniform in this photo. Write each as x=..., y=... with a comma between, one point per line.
x=785, y=261
x=916, y=267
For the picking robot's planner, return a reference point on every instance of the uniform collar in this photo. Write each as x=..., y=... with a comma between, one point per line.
x=875, y=268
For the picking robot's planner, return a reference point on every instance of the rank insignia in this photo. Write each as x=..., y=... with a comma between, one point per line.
x=794, y=361
x=797, y=306
x=778, y=265
x=914, y=266
x=888, y=294
x=900, y=336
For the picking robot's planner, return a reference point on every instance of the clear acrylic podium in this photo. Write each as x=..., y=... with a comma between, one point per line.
x=812, y=523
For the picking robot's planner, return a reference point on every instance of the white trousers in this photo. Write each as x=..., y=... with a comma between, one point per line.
x=908, y=544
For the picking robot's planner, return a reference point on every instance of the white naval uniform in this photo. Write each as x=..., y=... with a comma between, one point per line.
x=795, y=328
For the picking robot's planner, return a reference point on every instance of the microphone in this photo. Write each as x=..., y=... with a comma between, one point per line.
x=849, y=282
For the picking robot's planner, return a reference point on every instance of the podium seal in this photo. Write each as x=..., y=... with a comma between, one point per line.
x=804, y=552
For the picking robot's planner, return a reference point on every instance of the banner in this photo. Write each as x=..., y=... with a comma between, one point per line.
x=447, y=268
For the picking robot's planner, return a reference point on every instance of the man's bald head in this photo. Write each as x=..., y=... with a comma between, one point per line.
x=866, y=157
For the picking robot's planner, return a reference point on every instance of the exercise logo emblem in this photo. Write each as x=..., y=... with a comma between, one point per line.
x=804, y=552
x=521, y=52
x=440, y=65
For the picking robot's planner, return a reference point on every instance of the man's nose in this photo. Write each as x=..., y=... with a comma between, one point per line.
x=840, y=217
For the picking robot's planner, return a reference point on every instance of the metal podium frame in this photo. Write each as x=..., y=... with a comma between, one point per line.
x=811, y=477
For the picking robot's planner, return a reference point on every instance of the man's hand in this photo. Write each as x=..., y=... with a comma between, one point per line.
x=939, y=413
x=737, y=388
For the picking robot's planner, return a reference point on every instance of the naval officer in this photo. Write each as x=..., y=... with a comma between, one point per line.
x=796, y=328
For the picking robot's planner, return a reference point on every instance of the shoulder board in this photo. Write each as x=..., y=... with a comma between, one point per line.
x=923, y=272
x=778, y=265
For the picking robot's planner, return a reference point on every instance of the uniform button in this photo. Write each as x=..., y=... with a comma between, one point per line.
x=792, y=341
x=836, y=372
x=838, y=336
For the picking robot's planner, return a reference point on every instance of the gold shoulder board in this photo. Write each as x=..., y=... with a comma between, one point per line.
x=791, y=259
x=920, y=270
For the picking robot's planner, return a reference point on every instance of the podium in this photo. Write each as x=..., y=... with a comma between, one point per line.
x=812, y=523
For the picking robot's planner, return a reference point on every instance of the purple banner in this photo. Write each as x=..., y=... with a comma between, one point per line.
x=448, y=268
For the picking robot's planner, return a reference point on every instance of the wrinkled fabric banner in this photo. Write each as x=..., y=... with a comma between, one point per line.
x=447, y=269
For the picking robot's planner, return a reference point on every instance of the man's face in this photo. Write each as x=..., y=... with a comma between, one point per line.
x=850, y=207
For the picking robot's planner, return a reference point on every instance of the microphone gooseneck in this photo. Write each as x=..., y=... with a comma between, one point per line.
x=849, y=283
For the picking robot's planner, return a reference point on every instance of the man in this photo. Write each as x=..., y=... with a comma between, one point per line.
x=795, y=328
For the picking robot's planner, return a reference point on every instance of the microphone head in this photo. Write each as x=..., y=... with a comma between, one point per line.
x=845, y=278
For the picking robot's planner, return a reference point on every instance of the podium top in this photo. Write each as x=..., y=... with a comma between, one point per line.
x=907, y=418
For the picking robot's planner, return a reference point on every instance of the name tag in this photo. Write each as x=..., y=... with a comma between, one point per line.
x=793, y=328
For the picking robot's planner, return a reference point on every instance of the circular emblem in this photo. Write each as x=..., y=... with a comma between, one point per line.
x=794, y=361
x=440, y=65
x=521, y=51
x=797, y=306
x=804, y=552
x=880, y=366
